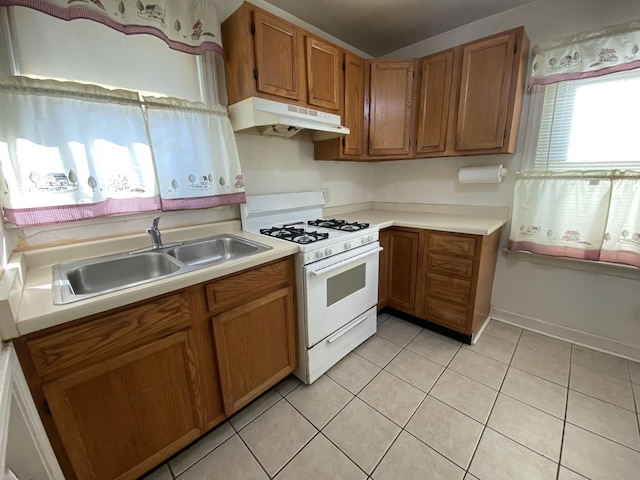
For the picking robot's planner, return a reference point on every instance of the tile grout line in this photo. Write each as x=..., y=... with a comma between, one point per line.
x=564, y=422
x=403, y=429
x=485, y=425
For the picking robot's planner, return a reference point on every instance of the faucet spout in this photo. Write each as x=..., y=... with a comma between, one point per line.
x=156, y=237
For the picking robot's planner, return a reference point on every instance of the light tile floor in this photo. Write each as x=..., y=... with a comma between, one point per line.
x=412, y=404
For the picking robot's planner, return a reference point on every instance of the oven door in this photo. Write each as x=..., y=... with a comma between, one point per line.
x=338, y=289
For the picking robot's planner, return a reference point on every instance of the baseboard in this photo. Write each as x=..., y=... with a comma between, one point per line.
x=602, y=344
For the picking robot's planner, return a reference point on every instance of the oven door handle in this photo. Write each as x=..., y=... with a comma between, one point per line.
x=335, y=266
x=345, y=329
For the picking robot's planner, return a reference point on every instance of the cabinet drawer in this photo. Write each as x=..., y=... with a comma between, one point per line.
x=452, y=245
x=448, y=288
x=108, y=334
x=446, y=265
x=438, y=311
x=244, y=286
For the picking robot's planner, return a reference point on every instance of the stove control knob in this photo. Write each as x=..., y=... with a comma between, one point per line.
x=328, y=252
x=363, y=240
x=319, y=254
x=347, y=245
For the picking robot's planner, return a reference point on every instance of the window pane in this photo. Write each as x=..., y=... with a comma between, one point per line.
x=590, y=124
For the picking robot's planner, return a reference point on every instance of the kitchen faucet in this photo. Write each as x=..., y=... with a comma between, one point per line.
x=156, y=239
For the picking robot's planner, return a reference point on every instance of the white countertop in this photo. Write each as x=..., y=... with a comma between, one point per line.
x=448, y=218
x=34, y=309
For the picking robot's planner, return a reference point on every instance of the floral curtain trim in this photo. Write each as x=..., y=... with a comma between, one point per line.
x=195, y=153
x=189, y=26
x=71, y=151
x=584, y=215
x=588, y=54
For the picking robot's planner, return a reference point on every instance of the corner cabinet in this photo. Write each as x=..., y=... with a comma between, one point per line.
x=391, y=104
x=443, y=278
x=120, y=392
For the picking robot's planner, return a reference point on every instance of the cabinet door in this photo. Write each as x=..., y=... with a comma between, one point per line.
x=256, y=347
x=390, y=108
x=433, y=105
x=484, y=93
x=119, y=418
x=276, y=54
x=323, y=74
x=354, y=73
x=403, y=269
x=383, y=270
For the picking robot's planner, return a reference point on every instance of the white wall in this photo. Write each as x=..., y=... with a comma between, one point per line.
x=276, y=165
x=524, y=292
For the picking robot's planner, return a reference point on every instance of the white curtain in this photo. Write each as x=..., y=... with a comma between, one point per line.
x=71, y=151
x=189, y=26
x=587, y=54
x=195, y=152
x=586, y=215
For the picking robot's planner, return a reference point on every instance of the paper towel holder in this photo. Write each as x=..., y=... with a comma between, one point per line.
x=482, y=174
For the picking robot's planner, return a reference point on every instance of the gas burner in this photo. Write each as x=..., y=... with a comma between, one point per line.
x=282, y=232
x=296, y=235
x=339, y=224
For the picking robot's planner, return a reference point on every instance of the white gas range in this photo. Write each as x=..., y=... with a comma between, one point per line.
x=336, y=275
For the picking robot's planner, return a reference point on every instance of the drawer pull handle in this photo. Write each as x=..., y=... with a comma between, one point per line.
x=345, y=329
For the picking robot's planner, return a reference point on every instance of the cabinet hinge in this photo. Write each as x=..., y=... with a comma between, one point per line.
x=344, y=141
x=255, y=73
x=45, y=407
x=505, y=133
x=515, y=48
x=253, y=28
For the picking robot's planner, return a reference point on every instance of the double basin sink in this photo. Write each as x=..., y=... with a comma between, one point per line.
x=82, y=279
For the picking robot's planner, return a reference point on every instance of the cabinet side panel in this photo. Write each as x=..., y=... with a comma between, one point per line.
x=486, y=273
x=239, y=61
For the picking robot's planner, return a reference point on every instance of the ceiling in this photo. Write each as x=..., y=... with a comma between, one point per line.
x=378, y=27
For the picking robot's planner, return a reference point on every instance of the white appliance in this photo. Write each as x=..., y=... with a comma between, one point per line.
x=336, y=275
x=284, y=120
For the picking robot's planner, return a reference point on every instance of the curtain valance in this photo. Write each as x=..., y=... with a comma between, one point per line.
x=189, y=26
x=588, y=54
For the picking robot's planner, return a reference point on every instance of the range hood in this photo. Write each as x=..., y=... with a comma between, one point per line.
x=284, y=120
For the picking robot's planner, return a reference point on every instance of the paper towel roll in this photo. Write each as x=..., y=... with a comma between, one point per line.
x=484, y=174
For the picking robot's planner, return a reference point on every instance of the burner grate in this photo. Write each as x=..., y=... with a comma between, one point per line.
x=296, y=235
x=343, y=225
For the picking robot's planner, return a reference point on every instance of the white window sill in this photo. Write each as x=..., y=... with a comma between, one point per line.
x=601, y=268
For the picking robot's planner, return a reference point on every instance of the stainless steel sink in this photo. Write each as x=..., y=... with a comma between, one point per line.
x=214, y=250
x=81, y=279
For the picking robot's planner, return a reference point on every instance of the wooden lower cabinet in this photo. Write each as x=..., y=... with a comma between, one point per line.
x=449, y=284
x=122, y=391
x=256, y=346
x=121, y=417
x=403, y=269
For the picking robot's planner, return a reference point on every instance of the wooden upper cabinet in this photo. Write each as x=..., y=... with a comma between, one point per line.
x=491, y=87
x=436, y=74
x=354, y=75
x=323, y=73
x=390, y=107
x=276, y=46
